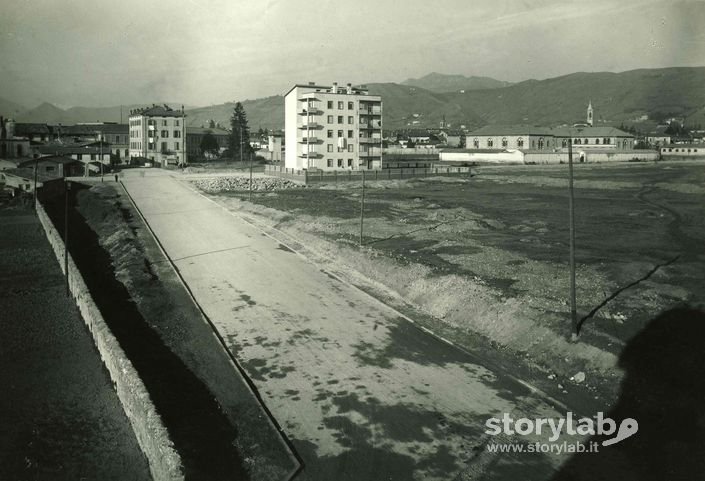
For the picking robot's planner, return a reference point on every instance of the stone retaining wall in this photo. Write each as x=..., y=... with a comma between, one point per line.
x=152, y=436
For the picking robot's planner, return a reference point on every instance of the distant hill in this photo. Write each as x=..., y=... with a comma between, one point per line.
x=10, y=109
x=49, y=113
x=439, y=83
x=616, y=98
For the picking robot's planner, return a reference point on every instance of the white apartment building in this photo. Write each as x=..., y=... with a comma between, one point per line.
x=158, y=133
x=332, y=128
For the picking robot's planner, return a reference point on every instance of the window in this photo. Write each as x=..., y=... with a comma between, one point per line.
x=164, y=122
x=329, y=162
x=177, y=134
x=540, y=143
x=490, y=142
x=597, y=141
x=349, y=162
x=165, y=134
x=340, y=162
x=330, y=134
x=92, y=156
x=340, y=119
x=504, y=141
x=350, y=134
x=176, y=123
x=330, y=119
x=163, y=146
x=117, y=139
x=330, y=147
x=340, y=133
x=564, y=143
x=341, y=105
x=520, y=142
x=476, y=143
x=587, y=142
x=351, y=105
x=350, y=147
x=330, y=104
x=176, y=146
x=50, y=168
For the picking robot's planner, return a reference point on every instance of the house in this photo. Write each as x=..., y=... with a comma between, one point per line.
x=502, y=137
x=658, y=137
x=452, y=138
x=83, y=152
x=194, y=137
x=47, y=172
x=332, y=128
x=114, y=135
x=12, y=146
x=56, y=166
x=683, y=151
x=159, y=134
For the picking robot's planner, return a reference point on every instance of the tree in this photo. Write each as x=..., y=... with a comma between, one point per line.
x=239, y=140
x=211, y=124
x=461, y=143
x=209, y=146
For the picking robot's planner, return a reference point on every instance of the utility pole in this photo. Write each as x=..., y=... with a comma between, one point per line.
x=36, y=168
x=250, y=156
x=571, y=222
x=66, y=236
x=100, y=138
x=241, y=143
x=362, y=206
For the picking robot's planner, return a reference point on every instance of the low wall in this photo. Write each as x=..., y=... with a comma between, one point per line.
x=152, y=436
x=591, y=157
x=332, y=176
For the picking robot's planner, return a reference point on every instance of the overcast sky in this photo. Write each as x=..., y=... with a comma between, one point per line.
x=96, y=52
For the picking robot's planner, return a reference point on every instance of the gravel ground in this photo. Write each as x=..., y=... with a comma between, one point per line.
x=240, y=183
x=61, y=417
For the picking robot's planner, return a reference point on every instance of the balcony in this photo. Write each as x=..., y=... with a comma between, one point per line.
x=371, y=125
x=310, y=111
x=311, y=155
x=311, y=139
x=371, y=153
x=370, y=140
x=310, y=125
x=370, y=111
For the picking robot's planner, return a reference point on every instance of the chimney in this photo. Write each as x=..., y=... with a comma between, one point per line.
x=312, y=83
x=334, y=89
x=349, y=88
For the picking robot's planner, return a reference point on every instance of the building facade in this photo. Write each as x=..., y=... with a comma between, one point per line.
x=158, y=134
x=194, y=137
x=332, y=128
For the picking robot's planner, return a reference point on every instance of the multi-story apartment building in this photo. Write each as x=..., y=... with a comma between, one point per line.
x=332, y=128
x=158, y=133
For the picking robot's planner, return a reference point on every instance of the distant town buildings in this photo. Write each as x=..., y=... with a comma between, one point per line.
x=195, y=135
x=331, y=127
x=158, y=134
x=12, y=146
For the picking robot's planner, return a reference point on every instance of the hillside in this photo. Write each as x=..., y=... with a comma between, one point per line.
x=439, y=83
x=616, y=98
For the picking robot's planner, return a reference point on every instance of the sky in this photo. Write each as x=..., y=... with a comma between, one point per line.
x=198, y=52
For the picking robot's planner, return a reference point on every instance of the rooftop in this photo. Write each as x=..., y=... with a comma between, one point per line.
x=158, y=111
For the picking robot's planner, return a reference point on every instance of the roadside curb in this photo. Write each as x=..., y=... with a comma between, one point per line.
x=152, y=436
x=294, y=456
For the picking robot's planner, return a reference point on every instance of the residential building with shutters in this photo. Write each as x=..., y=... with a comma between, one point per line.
x=158, y=134
x=332, y=128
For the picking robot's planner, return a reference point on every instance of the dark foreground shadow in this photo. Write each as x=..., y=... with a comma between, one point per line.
x=664, y=391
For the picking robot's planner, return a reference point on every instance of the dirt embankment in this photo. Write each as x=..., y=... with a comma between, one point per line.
x=169, y=344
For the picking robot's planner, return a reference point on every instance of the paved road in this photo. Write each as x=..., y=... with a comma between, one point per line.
x=362, y=393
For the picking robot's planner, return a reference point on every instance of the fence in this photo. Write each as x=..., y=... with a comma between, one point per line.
x=332, y=176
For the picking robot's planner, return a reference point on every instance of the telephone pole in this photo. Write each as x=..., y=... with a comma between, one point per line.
x=571, y=222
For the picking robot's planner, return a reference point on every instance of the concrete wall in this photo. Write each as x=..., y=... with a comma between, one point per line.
x=589, y=156
x=152, y=436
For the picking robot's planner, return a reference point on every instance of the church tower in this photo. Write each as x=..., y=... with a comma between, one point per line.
x=589, y=114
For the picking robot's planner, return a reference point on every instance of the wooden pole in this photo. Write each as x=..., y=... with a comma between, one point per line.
x=571, y=221
x=362, y=207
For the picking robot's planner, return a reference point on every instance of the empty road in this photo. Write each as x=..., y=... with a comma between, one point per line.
x=363, y=394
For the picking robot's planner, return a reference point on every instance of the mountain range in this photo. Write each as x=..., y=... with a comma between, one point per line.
x=626, y=97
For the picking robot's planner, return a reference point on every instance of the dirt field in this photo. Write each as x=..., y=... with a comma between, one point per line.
x=489, y=255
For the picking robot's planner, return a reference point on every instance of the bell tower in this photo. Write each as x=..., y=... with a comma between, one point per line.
x=589, y=114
